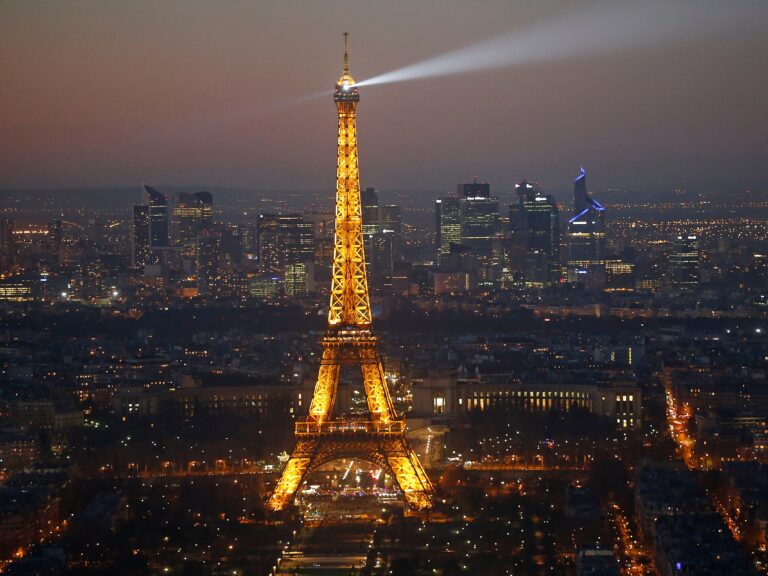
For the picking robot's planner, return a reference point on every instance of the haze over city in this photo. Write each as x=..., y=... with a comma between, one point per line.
x=101, y=94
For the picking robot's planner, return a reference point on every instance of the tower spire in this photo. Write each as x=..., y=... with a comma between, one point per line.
x=346, y=55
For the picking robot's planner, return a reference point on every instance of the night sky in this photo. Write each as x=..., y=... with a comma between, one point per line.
x=187, y=92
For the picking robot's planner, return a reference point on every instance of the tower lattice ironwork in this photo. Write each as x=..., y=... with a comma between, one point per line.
x=320, y=437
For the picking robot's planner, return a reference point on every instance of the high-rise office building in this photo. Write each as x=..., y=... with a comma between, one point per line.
x=284, y=239
x=479, y=219
x=158, y=218
x=7, y=245
x=470, y=219
x=298, y=279
x=447, y=224
x=209, y=253
x=55, y=237
x=140, y=241
x=586, y=237
x=538, y=229
x=685, y=263
x=192, y=213
x=382, y=237
x=323, y=230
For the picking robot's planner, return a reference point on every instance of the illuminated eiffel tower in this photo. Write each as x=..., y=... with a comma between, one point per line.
x=321, y=438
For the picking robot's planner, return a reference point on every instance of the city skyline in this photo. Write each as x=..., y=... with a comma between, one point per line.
x=181, y=95
x=482, y=379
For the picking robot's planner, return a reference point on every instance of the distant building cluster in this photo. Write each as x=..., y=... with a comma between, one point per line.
x=583, y=259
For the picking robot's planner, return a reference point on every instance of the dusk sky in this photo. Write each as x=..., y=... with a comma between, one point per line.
x=193, y=93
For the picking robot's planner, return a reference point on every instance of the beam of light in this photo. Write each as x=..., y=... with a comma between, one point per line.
x=204, y=126
x=596, y=29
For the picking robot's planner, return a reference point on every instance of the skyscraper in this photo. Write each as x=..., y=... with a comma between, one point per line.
x=471, y=218
x=447, y=224
x=684, y=263
x=140, y=244
x=7, y=245
x=586, y=237
x=209, y=253
x=192, y=213
x=479, y=218
x=55, y=238
x=538, y=227
x=158, y=218
x=298, y=279
x=284, y=239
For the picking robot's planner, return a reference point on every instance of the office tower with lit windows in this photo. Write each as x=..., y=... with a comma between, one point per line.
x=158, y=218
x=284, y=239
x=192, y=213
x=471, y=219
x=298, y=279
x=538, y=229
x=209, y=253
x=586, y=237
x=140, y=243
x=479, y=216
x=685, y=263
x=447, y=224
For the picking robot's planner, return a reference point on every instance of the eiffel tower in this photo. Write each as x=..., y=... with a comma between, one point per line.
x=349, y=341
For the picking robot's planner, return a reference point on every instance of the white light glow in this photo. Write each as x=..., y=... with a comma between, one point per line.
x=597, y=29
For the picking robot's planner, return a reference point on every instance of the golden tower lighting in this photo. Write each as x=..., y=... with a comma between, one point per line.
x=321, y=438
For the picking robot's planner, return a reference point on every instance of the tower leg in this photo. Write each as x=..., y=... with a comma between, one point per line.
x=325, y=388
x=409, y=474
x=292, y=475
x=376, y=390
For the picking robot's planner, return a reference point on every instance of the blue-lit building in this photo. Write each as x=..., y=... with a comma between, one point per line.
x=586, y=237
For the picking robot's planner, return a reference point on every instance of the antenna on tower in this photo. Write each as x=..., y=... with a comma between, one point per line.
x=346, y=56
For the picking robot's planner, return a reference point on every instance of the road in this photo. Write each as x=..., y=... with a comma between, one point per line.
x=330, y=548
